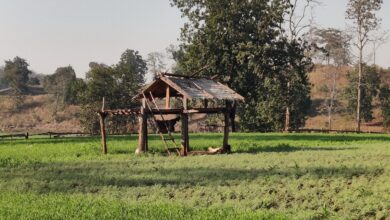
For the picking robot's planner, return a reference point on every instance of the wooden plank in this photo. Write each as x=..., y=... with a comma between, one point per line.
x=164, y=111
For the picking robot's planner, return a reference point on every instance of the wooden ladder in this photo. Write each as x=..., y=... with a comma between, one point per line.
x=163, y=138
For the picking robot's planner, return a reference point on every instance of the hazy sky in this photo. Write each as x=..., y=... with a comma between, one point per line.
x=53, y=33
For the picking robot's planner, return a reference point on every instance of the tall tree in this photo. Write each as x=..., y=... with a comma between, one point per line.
x=155, y=63
x=333, y=48
x=17, y=74
x=297, y=20
x=365, y=21
x=370, y=85
x=242, y=42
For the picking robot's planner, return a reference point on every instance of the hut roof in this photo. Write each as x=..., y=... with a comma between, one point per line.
x=191, y=88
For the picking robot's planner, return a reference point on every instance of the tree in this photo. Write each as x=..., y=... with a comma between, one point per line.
x=17, y=74
x=176, y=54
x=3, y=82
x=296, y=23
x=333, y=47
x=242, y=42
x=155, y=63
x=370, y=85
x=365, y=21
x=58, y=85
x=385, y=105
x=118, y=84
x=74, y=91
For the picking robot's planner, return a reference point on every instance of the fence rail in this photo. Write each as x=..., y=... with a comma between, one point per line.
x=336, y=131
x=26, y=135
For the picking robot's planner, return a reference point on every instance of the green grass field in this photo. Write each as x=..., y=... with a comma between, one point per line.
x=279, y=176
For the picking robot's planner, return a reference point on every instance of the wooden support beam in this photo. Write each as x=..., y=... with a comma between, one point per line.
x=142, y=131
x=184, y=128
x=102, y=118
x=205, y=103
x=165, y=111
x=226, y=146
x=168, y=98
x=184, y=134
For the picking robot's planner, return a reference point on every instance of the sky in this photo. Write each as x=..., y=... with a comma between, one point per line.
x=54, y=33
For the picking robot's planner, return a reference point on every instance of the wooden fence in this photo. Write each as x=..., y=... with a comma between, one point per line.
x=26, y=135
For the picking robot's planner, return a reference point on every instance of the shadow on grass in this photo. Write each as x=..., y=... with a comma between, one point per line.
x=84, y=177
x=235, y=137
x=254, y=149
x=295, y=137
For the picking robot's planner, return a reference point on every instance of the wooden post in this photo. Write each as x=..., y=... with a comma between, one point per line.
x=103, y=131
x=168, y=98
x=226, y=147
x=205, y=103
x=102, y=117
x=26, y=135
x=142, y=131
x=184, y=129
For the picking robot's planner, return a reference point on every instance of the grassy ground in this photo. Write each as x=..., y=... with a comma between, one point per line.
x=299, y=176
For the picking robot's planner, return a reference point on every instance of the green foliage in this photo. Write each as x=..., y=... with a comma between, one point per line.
x=3, y=82
x=118, y=85
x=363, y=15
x=281, y=176
x=369, y=88
x=74, y=91
x=17, y=74
x=243, y=43
x=59, y=83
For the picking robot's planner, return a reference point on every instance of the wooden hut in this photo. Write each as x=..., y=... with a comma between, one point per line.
x=183, y=88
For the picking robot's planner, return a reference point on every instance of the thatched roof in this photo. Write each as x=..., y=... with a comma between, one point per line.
x=190, y=88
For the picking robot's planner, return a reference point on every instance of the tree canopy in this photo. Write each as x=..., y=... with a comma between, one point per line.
x=16, y=73
x=243, y=43
x=117, y=84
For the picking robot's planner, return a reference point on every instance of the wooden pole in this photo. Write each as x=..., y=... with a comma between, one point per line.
x=226, y=146
x=168, y=98
x=103, y=132
x=142, y=131
x=102, y=117
x=184, y=129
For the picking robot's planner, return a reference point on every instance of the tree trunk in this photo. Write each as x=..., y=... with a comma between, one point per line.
x=233, y=117
x=287, y=122
x=226, y=147
x=358, y=119
x=332, y=99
